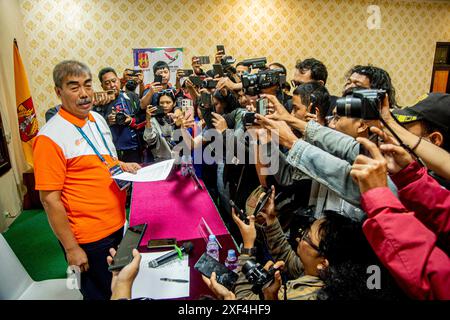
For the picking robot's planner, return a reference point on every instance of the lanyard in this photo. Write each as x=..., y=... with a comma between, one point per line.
x=92, y=145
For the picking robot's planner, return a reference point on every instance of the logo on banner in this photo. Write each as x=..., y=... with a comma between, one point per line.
x=171, y=59
x=143, y=60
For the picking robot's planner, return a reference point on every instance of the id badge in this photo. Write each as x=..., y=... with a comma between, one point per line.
x=122, y=184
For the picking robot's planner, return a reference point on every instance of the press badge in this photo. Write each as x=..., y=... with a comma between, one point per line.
x=122, y=184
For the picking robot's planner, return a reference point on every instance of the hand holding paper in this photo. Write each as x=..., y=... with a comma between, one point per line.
x=155, y=172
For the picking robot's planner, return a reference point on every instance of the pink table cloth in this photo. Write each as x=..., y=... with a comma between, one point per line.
x=173, y=209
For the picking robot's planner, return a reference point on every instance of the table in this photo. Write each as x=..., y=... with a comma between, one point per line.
x=173, y=209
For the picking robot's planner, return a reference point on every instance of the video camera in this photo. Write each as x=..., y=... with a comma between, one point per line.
x=255, y=63
x=254, y=83
x=361, y=103
x=227, y=64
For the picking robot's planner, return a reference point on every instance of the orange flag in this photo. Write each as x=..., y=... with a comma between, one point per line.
x=28, y=125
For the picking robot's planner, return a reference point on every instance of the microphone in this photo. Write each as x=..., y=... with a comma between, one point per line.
x=185, y=247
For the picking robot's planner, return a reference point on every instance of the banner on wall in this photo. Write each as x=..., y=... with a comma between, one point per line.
x=144, y=59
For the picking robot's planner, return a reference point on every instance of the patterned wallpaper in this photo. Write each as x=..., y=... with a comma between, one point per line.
x=102, y=33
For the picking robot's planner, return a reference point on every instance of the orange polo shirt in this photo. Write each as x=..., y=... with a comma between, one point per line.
x=63, y=160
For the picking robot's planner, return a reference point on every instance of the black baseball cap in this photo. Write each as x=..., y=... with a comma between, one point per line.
x=431, y=107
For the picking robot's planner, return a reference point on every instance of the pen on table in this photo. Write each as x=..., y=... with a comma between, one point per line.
x=174, y=280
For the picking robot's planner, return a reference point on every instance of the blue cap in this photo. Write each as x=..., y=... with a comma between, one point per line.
x=231, y=253
x=212, y=237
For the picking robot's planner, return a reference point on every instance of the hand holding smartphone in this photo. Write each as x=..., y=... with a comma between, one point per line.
x=158, y=79
x=130, y=241
x=262, y=105
x=203, y=60
x=221, y=48
x=240, y=213
x=206, y=265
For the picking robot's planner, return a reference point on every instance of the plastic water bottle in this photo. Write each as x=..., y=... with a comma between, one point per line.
x=212, y=247
x=231, y=261
x=186, y=162
x=184, y=171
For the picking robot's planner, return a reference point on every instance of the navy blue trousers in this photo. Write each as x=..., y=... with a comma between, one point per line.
x=96, y=282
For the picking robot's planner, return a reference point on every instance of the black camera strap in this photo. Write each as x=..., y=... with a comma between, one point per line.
x=402, y=144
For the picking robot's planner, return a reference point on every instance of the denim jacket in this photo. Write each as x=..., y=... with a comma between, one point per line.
x=328, y=160
x=338, y=144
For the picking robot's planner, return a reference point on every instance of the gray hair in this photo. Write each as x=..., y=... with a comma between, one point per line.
x=69, y=68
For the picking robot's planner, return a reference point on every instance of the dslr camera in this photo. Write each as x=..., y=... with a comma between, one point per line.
x=121, y=118
x=257, y=275
x=254, y=83
x=361, y=103
x=132, y=81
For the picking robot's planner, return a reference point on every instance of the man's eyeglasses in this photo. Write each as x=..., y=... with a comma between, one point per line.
x=334, y=118
x=303, y=235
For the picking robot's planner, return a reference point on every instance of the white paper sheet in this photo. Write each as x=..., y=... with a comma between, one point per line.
x=148, y=281
x=155, y=172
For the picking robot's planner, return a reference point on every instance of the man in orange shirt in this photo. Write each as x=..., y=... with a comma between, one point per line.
x=74, y=160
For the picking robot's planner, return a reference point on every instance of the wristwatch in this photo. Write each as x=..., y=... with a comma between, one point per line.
x=249, y=252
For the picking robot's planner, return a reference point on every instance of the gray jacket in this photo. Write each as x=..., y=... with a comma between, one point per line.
x=153, y=136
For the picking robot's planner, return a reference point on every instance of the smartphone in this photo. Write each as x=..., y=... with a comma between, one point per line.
x=188, y=109
x=158, y=79
x=130, y=241
x=239, y=212
x=262, y=203
x=249, y=118
x=209, y=84
x=220, y=48
x=206, y=99
x=261, y=106
x=196, y=81
x=187, y=72
x=159, y=112
x=162, y=243
x=203, y=60
x=206, y=265
x=218, y=70
x=207, y=116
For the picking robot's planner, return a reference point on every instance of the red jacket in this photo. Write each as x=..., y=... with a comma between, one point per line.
x=404, y=235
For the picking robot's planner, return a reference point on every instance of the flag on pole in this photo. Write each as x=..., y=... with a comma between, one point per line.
x=28, y=125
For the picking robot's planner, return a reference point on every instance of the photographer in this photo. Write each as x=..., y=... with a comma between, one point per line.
x=337, y=144
x=242, y=69
x=419, y=262
x=125, y=118
x=149, y=95
x=426, y=129
x=160, y=126
x=294, y=184
x=370, y=77
x=323, y=246
x=313, y=70
x=131, y=80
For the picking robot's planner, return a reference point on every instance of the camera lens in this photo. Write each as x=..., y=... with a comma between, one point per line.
x=131, y=85
x=349, y=107
x=120, y=118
